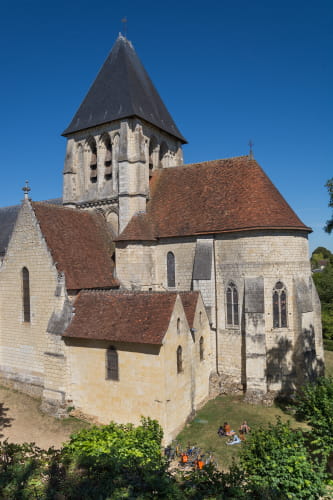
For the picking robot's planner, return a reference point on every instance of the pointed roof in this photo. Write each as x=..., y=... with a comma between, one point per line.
x=218, y=196
x=122, y=89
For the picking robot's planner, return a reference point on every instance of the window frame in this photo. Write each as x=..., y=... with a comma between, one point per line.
x=26, y=303
x=201, y=349
x=232, y=305
x=280, y=306
x=180, y=367
x=171, y=270
x=111, y=357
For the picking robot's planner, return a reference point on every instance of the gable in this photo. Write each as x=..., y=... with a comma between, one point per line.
x=80, y=245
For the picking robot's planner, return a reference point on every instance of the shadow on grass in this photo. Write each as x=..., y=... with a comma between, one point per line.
x=4, y=420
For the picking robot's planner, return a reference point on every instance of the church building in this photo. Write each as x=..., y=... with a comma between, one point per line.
x=152, y=285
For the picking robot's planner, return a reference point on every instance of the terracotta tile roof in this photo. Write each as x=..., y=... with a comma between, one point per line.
x=79, y=244
x=140, y=317
x=189, y=301
x=213, y=197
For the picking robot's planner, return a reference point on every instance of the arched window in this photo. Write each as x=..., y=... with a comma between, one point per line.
x=163, y=155
x=26, y=295
x=112, y=369
x=201, y=348
x=93, y=159
x=171, y=273
x=232, y=305
x=108, y=157
x=179, y=359
x=279, y=305
x=178, y=326
x=152, y=154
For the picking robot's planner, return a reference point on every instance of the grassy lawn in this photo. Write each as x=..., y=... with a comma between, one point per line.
x=328, y=363
x=202, y=431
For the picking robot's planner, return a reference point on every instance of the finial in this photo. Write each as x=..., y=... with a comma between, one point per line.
x=26, y=190
x=251, y=144
x=124, y=21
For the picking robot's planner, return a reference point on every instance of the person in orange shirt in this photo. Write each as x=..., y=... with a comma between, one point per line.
x=227, y=429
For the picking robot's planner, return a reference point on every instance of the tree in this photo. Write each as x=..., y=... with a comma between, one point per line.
x=324, y=285
x=278, y=464
x=329, y=224
x=314, y=404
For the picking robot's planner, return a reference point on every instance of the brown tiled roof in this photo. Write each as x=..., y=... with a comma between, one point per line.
x=189, y=301
x=140, y=317
x=213, y=197
x=80, y=245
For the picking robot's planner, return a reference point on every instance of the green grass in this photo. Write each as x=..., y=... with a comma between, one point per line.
x=328, y=363
x=202, y=431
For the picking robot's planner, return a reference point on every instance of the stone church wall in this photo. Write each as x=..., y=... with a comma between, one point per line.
x=22, y=344
x=274, y=256
x=148, y=384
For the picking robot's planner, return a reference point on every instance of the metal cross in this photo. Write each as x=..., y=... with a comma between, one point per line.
x=124, y=21
x=251, y=144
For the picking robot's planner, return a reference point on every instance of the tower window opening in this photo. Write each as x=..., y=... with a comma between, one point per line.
x=93, y=161
x=108, y=160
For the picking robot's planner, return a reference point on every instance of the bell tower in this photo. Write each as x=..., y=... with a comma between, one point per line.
x=120, y=134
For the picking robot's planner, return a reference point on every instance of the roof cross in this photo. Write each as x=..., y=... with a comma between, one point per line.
x=26, y=190
x=251, y=144
x=124, y=21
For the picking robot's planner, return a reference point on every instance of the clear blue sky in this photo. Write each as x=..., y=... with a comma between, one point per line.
x=228, y=71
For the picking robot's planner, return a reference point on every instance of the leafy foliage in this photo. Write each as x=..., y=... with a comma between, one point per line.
x=116, y=462
x=278, y=464
x=324, y=285
x=315, y=406
x=329, y=223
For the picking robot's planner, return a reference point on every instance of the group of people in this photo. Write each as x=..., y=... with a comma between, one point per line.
x=226, y=430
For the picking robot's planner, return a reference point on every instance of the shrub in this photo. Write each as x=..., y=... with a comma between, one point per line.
x=278, y=464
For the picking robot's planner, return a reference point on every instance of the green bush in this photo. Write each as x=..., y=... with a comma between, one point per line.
x=314, y=404
x=278, y=465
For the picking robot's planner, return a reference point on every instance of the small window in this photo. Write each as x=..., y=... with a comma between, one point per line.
x=279, y=306
x=232, y=305
x=179, y=359
x=178, y=326
x=26, y=295
x=201, y=348
x=171, y=273
x=112, y=368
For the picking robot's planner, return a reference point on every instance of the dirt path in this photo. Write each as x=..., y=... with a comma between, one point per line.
x=22, y=421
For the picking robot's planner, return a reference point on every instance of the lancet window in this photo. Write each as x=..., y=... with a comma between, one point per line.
x=179, y=359
x=112, y=367
x=201, y=349
x=232, y=305
x=107, y=157
x=279, y=305
x=171, y=270
x=26, y=295
x=93, y=160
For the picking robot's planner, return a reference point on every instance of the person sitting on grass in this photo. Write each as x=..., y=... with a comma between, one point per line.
x=245, y=428
x=242, y=436
x=234, y=440
x=220, y=431
x=227, y=430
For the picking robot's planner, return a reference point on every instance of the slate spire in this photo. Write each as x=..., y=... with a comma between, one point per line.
x=122, y=89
